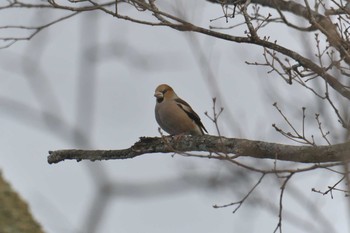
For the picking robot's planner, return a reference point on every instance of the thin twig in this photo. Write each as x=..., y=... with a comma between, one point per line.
x=283, y=188
x=238, y=204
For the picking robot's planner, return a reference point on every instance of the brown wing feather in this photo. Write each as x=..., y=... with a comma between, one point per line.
x=189, y=111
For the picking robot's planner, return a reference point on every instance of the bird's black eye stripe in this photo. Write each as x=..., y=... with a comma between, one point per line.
x=164, y=91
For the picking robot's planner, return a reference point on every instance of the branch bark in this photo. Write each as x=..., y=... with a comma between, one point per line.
x=212, y=144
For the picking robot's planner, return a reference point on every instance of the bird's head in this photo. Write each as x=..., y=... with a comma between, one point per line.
x=164, y=91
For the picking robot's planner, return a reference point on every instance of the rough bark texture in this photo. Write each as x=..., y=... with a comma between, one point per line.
x=14, y=213
x=212, y=144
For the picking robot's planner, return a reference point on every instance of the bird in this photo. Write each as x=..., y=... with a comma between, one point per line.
x=174, y=115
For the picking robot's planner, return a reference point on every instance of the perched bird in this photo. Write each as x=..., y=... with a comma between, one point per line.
x=174, y=115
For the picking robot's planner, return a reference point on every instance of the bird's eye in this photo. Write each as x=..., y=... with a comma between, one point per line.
x=164, y=91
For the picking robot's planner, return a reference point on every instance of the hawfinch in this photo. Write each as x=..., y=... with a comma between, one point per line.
x=174, y=115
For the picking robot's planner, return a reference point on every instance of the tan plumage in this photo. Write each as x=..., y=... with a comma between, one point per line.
x=174, y=115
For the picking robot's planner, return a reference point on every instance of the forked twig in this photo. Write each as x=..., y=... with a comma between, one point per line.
x=332, y=188
x=296, y=136
x=215, y=116
x=283, y=188
x=324, y=134
x=238, y=204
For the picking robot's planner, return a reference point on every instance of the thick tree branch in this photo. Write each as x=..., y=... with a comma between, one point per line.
x=182, y=25
x=331, y=80
x=212, y=144
x=317, y=20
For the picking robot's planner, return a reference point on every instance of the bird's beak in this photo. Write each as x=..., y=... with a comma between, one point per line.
x=158, y=95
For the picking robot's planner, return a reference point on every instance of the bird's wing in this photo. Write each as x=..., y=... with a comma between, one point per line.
x=190, y=113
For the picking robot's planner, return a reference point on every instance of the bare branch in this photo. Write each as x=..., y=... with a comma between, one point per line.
x=208, y=143
x=215, y=116
x=296, y=136
x=283, y=188
x=324, y=134
x=162, y=18
x=238, y=204
x=332, y=188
